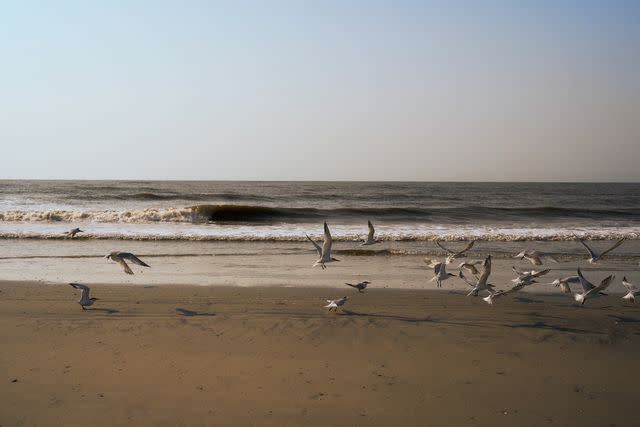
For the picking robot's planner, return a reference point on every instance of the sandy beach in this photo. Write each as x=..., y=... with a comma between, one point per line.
x=196, y=355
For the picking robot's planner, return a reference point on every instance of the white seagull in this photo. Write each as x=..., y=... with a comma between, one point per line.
x=481, y=283
x=71, y=234
x=535, y=257
x=335, y=303
x=325, y=251
x=589, y=290
x=498, y=294
x=594, y=257
x=84, y=301
x=359, y=286
x=120, y=258
x=440, y=273
x=564, y=283
x=634, y=290
x=371, y=240
x=527, y=276
x=455, y=254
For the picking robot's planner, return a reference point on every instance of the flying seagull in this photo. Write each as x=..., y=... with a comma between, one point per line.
x=634, y=290
x=589, y=290
x=564, y=283
x=535, y=257
x=335, y=303
x=481, y=283
x=470, y=266
x=84, y=301
x=325, y=251
x=359, y=286
x=120, y=258
x=455, y=254
x=594, y=257
x=527, y=276
x=440, y=273
x=498, y=294
x=71, y=234
x=371, y=240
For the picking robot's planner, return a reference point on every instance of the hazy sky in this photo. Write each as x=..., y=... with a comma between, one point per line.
x=363, y=90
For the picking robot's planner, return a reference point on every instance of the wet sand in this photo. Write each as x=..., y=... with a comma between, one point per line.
x=217, y=355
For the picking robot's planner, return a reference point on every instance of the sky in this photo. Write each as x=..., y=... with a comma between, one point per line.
x=320, y=90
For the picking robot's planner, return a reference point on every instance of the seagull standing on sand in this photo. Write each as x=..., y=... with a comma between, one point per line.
x=335, y=303
x=84, y=301
x=634, y=290
x=594, y=257
x=359, y=286
x=564, y=283
x=325, y=251
x=71, y=234
x=481, y=283
x=453, y=254
x=120, y=258
x=440, y=273
x=589, y=290
x=371, y=240
x=535, y=257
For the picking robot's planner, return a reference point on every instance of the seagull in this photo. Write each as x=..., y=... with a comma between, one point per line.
x=590, y=291
x=84, y=298
x=594, y=257
x=470, y=266
x=325, y=251
x=634, y=290
x=527, y=276
x=564, y=283
x=335, y=303
x=440, y=273
x=359, y=286
x=481, y=283
x=71, y=234
x=371, y=240
x=498, y=294
x=453, y=254
x=120, y=258
x=535, y=257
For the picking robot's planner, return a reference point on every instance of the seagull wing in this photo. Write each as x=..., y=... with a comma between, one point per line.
x=124, y=265
x=586, y=285
x=618, y=243
x=486, y=270
x=328, y=241
x=602, y=286
x=372, y=231
x=467, y=281
x=315, y=245
x=540, y=273
x=449, y=251
x=591, y=253
x=436, y=268
x=431, y=263
x=469, y=246
x=134, y=259
x=630, y=287
x=85, y=289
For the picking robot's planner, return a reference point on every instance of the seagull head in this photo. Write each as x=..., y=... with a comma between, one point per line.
x=108, y=256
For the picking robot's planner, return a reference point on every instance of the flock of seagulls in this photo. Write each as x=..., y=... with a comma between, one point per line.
x=478, y=283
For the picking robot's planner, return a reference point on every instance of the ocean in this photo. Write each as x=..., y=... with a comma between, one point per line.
x=287, y=211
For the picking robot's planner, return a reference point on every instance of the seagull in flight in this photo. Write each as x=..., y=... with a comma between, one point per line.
x=498, y=294
x=527, y=276
x=594, y=257
x=535, y=257
x=122, y=257
x=634, y=290
x=72, y=233
x=564, y=283
x=359, y=286
x=335, y=303
x=470, y=266
x=371, y=240
x=453, y=254
x=481, y=282
x=589, y=290
x=325, y=251
x=440, y=273
x=84, y=301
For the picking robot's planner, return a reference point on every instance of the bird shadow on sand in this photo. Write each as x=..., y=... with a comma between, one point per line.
x=104, y=310
x=387, y=317
x=191, y=313
x=528, y=300
x=543, y=325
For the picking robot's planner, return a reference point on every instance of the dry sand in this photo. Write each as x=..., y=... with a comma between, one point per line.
x=188, y=355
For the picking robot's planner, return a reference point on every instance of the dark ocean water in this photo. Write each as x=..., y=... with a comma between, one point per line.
x=289, y=210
